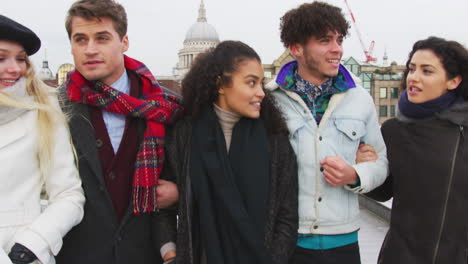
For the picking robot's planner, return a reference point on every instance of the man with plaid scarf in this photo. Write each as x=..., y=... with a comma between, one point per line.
x=118, y=115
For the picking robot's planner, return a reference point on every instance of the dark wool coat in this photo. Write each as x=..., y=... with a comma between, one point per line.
x=282, y=219
x=429, y=185
x=100, y=238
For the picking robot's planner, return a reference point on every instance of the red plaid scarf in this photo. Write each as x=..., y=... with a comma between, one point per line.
x=156, y=107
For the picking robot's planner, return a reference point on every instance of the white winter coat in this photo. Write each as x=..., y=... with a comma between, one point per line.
x=21, y=218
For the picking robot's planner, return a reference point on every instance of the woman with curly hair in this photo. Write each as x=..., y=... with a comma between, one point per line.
x=235, y=168
x=35, y=154
x=428, y=158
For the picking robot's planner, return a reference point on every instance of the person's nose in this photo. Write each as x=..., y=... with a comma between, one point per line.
x=91, y=48
x=260, y=92
x=337, y=47
x=413, y=76
x=13, y=67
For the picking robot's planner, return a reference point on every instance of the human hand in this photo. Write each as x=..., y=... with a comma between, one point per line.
x=19, y=254
x=338, y=172
x=169, y=257
x=366, y=153
x=167, y=193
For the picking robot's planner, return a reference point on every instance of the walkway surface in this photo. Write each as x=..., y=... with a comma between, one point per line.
x=371, y=236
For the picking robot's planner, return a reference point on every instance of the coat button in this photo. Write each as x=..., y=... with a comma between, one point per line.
x=99, y=143
x=320, y=199
x=320, y=138
x=321, y=168
x=315, y=226
x=112, y=175
x=354, y=133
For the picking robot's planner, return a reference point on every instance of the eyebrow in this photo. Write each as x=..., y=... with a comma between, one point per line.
x=8, y=51
x=98, y=33
x=252, y=76
x=423, y=65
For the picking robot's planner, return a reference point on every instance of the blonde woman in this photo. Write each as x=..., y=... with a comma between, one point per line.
x=35, y=154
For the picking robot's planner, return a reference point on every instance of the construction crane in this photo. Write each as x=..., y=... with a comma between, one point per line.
x=367, y=52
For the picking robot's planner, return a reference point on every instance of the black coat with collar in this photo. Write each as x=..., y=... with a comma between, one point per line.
x=100, y=238
x=428, y=162
x=282, y=219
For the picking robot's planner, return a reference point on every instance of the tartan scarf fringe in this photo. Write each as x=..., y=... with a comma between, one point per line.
x=156, y=108
x=142, y=201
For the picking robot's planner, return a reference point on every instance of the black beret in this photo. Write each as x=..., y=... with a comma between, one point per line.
x=14, y=31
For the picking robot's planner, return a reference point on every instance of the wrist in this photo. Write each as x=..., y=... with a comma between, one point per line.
x=169, y=255
x=354, y=180
x=169, y=260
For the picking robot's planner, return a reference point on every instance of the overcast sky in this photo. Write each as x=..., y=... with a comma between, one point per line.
x=157, y=28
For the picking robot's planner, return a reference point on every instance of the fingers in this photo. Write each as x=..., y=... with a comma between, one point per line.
x=163, y=182
x=338, y=172
x=365, y=148
x=334, y=162
x=167, y=193
x=331, y=179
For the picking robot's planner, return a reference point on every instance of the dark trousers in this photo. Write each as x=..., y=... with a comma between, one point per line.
x=348, y=254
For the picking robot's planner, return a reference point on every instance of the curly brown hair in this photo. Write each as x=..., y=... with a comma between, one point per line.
x=311, y=19
x=212, y=70
x=96, y=9
x=452, y=55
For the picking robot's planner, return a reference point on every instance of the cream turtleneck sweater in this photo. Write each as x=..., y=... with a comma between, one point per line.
x=227, y=120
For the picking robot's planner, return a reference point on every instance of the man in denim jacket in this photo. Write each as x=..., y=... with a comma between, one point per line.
x=328, y=116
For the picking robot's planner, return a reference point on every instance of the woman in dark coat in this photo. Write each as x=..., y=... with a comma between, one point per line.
x=235, y=168
x=428, y=159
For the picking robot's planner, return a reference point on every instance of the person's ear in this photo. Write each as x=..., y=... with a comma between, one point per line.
x=453, y=83
x=125, y=43
x=296, y=49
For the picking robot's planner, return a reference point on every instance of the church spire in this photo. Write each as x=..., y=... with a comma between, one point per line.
x=201, y=13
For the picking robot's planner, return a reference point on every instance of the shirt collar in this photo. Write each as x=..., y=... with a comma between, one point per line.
x=306, y=86
x=122, y=84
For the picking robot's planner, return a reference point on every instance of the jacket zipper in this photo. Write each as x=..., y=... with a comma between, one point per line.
x=454, y=157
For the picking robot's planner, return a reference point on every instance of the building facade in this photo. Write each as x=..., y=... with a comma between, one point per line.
x=382, y=82
x=200, y=37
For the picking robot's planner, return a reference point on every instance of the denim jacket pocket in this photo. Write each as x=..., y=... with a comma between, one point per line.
x=351, y=131
x=294, y=125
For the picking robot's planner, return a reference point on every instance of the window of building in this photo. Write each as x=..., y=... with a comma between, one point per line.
x=355, y=69
x=267, y=74
x=394, y=93
x=392, y=110
x=383, y=111
x=383, y=92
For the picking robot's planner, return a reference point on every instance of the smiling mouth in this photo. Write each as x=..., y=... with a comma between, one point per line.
x=334, y=61
x=414, y=89
x=256, y=104
x=9, y=81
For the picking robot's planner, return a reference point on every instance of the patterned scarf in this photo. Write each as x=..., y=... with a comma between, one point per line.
x=156, y=107
x=315, y=97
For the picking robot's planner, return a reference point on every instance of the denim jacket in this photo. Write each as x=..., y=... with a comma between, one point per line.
x=349, y=119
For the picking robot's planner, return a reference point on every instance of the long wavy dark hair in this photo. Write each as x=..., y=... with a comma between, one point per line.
x=452, y=55
x=212, y=70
